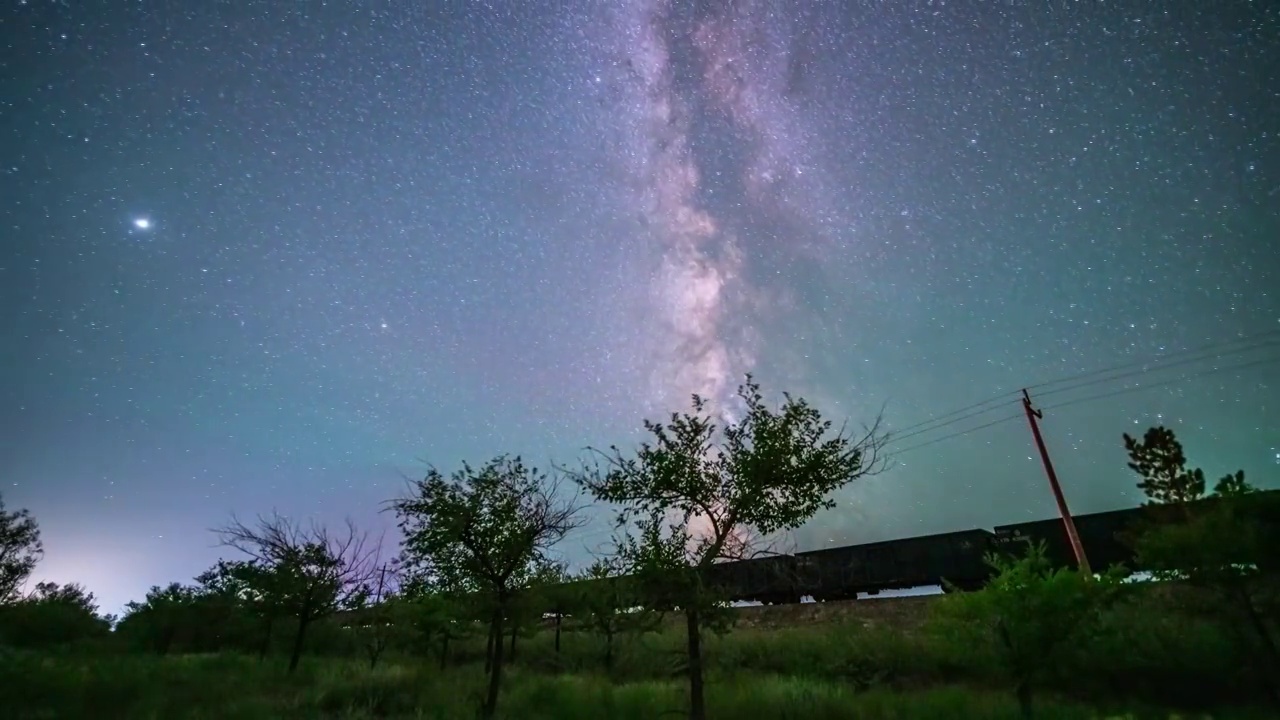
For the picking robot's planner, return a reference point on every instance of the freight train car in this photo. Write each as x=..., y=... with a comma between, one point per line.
x=768, y=579
x=1102, y=534
x=841, y=573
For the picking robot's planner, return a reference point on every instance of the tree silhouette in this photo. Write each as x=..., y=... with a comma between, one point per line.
x=20, y=551
x=1159, y=460
x=613, y=604
x=1227, y=546
x=311, y=573
x=485, y=530
x=1033, y=611
x=767, y=472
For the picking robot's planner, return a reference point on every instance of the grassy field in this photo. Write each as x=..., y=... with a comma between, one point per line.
x=228, y=686
x=1141, y=668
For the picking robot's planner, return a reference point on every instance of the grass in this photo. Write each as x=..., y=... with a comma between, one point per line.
x=1139, y=665
x=231, y=686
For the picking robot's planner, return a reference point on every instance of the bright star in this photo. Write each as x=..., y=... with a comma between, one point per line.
x=142, y=223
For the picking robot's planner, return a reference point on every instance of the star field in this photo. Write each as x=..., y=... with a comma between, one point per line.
x=266, y=255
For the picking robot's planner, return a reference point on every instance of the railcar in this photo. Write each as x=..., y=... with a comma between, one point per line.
x=1103, y=536
x=842, y=573
x=768, y=579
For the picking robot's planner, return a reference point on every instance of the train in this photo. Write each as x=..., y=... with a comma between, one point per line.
x=954, y=560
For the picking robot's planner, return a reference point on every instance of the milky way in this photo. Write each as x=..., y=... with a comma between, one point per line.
x=378, y=236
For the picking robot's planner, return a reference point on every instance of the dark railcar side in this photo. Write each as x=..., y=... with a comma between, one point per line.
x=767, y=579
x=844, y=572
x=1101, y=534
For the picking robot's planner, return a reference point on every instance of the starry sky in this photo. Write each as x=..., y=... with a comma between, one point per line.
x=278, y=255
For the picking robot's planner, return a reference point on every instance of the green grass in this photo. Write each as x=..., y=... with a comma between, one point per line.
x=1138, y=663
x=229, y=686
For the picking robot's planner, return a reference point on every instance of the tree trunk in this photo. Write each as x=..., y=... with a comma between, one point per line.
x=444, y=651
x=266, y=640
x=608, y=651
x=1023, y=691
x=488, y=650
x=298, y=640
x=495, y=675
x=514, y=629
x=1270, y=665
x=166, y=640
x=558, y=616
x=697, y=701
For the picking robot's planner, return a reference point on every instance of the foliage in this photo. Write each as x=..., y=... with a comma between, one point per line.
x=374, y=614
x=162, y=616
x=484, y=531
x=1035, y=611
x=20, y=550
x=307, y=573
x=198, y=687
x=52, y=615
x=1227, y=545
x=767, y=472
x=1158, y=458
x=613, y=605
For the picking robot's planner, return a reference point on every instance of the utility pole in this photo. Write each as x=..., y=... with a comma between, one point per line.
x=1032, y=416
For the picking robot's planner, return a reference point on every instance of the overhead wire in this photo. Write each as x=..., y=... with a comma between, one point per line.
x=1167, y=360
x=1162, y=366
x=1101, y=396
x=1171, y=381
x=1269, y=335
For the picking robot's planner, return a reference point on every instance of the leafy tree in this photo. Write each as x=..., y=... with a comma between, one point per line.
x=161, y=616
x=531, y=602
x=434, y=618
x=1159, y=460
x=375, y=614
x=484, y=530
x=20, y=551
x=1033, y=612
x=613, y=604
x=308, y=573
x=1226, y=546
x=50, y=615
x=767, y=472
x=245, y=590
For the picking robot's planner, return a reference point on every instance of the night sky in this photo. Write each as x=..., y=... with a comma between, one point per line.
x=265, y=254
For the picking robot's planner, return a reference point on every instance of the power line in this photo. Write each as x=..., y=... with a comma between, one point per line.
x=1150, y=386
x=898, y=438
x=1269, y=335
x=1015, y=416
x=988, y=401
x=1165, y=366
x=1269, y=338
x=1099, y=396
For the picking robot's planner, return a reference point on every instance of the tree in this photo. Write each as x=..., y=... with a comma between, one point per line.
x=1033, y=611
x=484, y=530
x=533, y=600
x=436, y=618
x=613, y=604
x=50, y=615
x=767, y=472
x=374, y=614
x=161, y=616
x=1225, y=546
x=1159, y=460
x=310, y=573
x=246, y=590
x=20, y=551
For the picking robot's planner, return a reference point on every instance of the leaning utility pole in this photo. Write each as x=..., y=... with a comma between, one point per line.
x=1032, y=416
